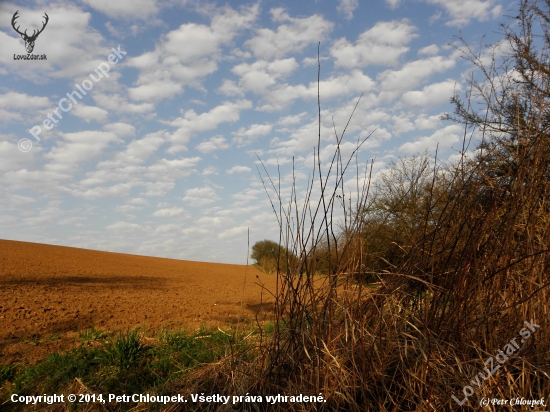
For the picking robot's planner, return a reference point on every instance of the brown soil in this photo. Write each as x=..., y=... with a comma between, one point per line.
x=50, y=293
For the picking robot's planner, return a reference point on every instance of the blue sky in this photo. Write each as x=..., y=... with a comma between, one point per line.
x=159, y=158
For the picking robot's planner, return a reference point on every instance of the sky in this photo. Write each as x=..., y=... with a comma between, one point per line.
x=143, y=129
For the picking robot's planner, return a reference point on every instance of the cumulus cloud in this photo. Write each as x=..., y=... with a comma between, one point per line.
x=412, y=73
x=245, y=136
x=233, y=232
x=383, y=44
x=462, y=12
x=346, y=7
x=125, y=227
x=187, y=54
x=393, y=3
x=230, y=88
x=120, y=129
x=169, y=212
x=191, y=122
x=141, y=9
x=403, y=123
x=117, y=190
x=138, y=151
x=430, y=50
x=24, y=101
x=217, y=142
x=11, y=158
x=238, y=169
x=209, y=221
x=119, y=104
x=13, y=104
x=432, y=94
x=210, y=170
x=267, y=79
x=128, y=169
x=294, y=36
x=200, y=196
x=445, y=137
x=260, y=75
x=89, y=113
x=291, y=119
x=79, y=147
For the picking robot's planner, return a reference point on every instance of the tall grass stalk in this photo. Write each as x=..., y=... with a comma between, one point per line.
x=455, y=257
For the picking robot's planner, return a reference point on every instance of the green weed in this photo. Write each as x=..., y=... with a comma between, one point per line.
x=123, y=351
x=7, y=372
x=91, y=334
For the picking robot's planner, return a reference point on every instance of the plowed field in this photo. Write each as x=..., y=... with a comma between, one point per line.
x=50, y=293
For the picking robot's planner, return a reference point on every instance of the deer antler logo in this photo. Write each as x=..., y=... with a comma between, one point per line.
x=29, y=40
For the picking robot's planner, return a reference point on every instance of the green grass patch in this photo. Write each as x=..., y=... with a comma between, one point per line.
x=91, y=334
x=126, y=362
x=7, y=372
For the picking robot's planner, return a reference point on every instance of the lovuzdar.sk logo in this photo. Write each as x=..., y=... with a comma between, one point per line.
x=29, y=40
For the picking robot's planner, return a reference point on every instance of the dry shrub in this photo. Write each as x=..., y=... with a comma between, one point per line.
x=459, y=254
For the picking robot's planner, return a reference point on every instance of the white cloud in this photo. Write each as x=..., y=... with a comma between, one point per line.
x=169, y=212
x=445, y=137
x=210, y=170
x=260, y=75
x=120, y=129
x=200, y=196
x=423, y=121
x=16, y=202
x=432, y=94
x=125, y=227
x=138, y=201
x=393, y=3
x=118, y=190
x=383, y=44
x=289, y=38
x=158, y=89
x=429, y=50
x=217, y=142
x=89, y=113
x=266, y=79
x=12, y=104
x=233, y=232
x=246, y=136
x=238, y=169
x=346, y=7
x=212, y=221
x=187, y=54
x=126, y=208
x=116, y=103
x=80, y=147
x=230, y=88
x=412, y=73
x=138, y=151
x=11, y=158
x=403, y=124
x=157, y=179
x=192, y=122
x=355, y=82
x=291, y=119
x=462, y=11
x=141, y=9
x=22, y=101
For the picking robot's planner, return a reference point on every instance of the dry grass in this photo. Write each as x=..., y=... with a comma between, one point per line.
x=463, y=263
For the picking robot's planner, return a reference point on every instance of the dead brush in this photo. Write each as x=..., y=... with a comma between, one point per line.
x=424, y=278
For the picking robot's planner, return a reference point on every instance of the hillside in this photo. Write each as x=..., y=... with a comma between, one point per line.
x=57, y=291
